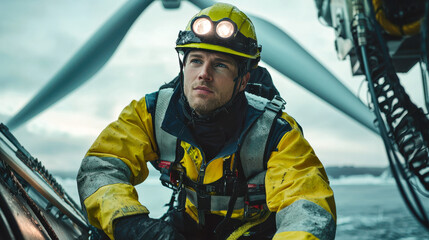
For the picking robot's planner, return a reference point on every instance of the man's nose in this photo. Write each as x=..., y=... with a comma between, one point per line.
x=206, y=72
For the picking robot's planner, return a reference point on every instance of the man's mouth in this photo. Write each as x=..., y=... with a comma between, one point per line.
x=203, y=90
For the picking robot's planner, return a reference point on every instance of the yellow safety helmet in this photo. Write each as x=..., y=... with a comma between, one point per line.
x=222, y=28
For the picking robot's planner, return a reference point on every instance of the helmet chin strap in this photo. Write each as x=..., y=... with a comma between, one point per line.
x=181, y=68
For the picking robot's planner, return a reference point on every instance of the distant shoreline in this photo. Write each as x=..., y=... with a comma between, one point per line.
x=337, y=172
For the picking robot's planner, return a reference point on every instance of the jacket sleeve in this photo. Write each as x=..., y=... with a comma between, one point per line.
x=298, y=189
x=114, y=164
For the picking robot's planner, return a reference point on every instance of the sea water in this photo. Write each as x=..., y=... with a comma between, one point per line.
x=368, y=207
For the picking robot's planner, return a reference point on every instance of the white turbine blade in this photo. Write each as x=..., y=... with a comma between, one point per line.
x=284, y=54
x=85, y=63
x=202, y=3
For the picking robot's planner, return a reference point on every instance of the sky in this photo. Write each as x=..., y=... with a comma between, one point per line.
x=37, y=38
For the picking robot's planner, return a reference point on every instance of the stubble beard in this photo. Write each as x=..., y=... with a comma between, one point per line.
x=204, y=105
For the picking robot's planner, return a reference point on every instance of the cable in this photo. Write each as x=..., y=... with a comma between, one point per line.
x=404, y=126
x=407, y=123
x=424, y=72
x=394, y=163
x=424, y=46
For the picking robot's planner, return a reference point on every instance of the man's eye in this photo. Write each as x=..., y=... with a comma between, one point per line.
x=221, y=65
x=196, y=61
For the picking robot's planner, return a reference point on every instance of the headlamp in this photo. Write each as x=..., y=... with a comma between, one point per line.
x=221, y=35
x=224, y=29
x=204, y=26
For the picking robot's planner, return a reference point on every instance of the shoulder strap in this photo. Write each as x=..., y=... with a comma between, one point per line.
x=164, y=140
x=252, y=151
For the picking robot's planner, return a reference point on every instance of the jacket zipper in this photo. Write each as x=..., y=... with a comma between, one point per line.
x=202, y=171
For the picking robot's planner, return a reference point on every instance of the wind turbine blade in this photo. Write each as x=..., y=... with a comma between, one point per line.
x=85, y=63
x=202, y=3
x=285, y=55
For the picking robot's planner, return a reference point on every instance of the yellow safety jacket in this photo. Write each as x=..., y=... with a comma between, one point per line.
x=296, y=186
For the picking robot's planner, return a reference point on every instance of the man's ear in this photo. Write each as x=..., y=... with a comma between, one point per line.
x=244, y=81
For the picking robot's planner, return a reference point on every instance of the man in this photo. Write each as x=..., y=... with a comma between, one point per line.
x=241, y=165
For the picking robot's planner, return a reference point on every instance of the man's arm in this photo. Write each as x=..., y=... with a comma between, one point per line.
x=298, y=190
x=114, y=164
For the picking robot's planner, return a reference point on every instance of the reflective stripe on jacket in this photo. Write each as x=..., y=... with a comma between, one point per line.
x=297, y=188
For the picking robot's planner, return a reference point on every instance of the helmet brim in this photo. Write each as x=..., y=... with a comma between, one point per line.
x=217, y=48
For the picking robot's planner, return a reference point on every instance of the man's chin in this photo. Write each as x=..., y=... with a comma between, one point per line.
x=202, y=107
x=202, y=110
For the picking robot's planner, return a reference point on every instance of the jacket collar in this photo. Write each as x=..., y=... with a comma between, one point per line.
x=175, y=124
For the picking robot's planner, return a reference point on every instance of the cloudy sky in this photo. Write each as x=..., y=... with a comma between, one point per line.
x=38, y=37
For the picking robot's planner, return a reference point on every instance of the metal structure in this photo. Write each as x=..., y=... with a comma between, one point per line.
x=33, y=205
x=381, y=39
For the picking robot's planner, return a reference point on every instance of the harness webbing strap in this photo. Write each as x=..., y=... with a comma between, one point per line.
x=254, y=145
x=166, y=142
x=217, y=203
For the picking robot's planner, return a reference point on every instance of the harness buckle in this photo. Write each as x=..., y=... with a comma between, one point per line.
x=257, y=206
x=256, y=200
x=171, y=175
x=164, y=164
x=276, y=104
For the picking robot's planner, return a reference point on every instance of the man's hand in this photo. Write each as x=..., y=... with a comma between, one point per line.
x=141, y=227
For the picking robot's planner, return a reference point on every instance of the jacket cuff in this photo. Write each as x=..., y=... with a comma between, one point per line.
x=306, y=217
x=111, y=202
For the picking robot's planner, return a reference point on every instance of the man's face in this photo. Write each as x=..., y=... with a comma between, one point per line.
x=209, y=80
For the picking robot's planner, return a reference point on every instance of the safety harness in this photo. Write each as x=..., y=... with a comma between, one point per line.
x=227, y=193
